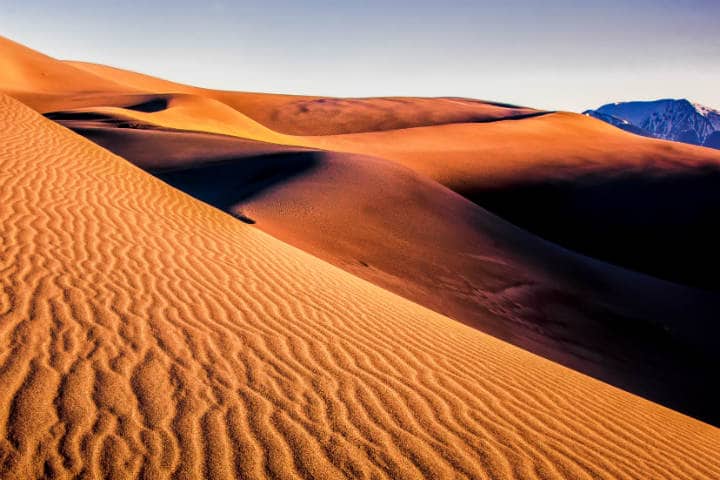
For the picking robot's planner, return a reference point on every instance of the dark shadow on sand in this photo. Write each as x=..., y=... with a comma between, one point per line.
x=665, y=225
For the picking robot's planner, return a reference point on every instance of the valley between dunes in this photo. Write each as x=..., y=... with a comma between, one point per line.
x=312, y=288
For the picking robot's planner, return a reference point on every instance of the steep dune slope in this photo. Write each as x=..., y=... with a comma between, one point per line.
x=404, y=232
x=150, y=334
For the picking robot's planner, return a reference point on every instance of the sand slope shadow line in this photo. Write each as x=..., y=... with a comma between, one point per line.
x=554, y=304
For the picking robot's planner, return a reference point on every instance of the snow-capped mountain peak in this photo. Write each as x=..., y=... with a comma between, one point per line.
x=670, y=119
x=705, y=111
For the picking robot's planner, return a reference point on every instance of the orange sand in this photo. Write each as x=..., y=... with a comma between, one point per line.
x=408, y=234
x=150, y=335
x=497, y=162
x=304, y=115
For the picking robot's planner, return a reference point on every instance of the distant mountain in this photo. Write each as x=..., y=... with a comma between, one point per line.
x=669, y=119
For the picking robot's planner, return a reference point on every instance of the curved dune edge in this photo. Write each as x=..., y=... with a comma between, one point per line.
x=195, y=113
x=42, y=81
x=152, y=335
x=560, y=145
x=303, y=115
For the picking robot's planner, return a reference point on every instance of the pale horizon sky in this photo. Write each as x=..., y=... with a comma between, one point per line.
x=557, y=54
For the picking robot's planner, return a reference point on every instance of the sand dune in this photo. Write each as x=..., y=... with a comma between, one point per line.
x=571, y=179
x=560, y=145
x=646, y=204
x=334, y=116
x=183, y=112
x=150, y=335
x=308, y=115
x=153, y=335
x=41, y=81
x=408, y=234
x=515, y=291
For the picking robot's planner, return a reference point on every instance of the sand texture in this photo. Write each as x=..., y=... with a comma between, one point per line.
x=216, y=284
x=408, y=234
x=152, y=335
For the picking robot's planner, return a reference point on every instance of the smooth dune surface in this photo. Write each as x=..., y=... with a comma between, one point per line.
x=311, y=115
x=491, y=154
x=41, y=81
x=151, y=335
x=187, y=112
x=645, y=204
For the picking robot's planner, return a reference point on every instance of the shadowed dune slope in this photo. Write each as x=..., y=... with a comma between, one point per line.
x=149, y=334
x=645, y=204
x=662, y=222
x=312, y=115
x=404, y=232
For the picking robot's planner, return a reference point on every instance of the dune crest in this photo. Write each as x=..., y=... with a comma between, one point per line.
x=186, y=112
x=152, y=335
x=39, y=80
x=304, y=115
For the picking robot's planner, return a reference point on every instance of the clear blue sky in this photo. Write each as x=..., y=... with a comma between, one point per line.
x=556, y=54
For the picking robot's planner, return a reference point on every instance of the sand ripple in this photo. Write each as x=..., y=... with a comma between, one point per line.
x=146, y=334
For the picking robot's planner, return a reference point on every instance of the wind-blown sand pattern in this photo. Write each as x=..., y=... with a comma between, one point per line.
x=151, y=335
x=410, y=235
x=146, y=334
x=322, y=174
